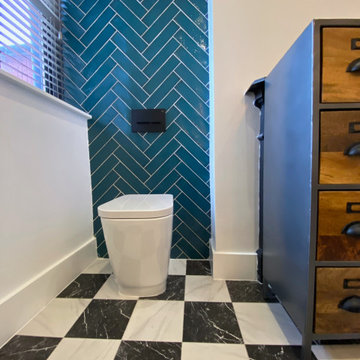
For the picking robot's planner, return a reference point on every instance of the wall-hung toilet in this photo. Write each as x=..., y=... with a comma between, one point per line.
x=138, y=230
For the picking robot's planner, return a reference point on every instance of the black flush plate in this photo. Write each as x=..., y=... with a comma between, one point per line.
x=149, y=120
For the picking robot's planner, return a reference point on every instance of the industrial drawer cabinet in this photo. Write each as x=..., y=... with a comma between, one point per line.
x=310, y=207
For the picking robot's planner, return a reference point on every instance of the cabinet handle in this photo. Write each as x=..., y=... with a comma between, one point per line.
x=353, y=150
x=352, y=229
x=354, y=66
x=351, y=304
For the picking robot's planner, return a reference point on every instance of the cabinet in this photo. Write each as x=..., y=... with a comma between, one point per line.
x=311, y=182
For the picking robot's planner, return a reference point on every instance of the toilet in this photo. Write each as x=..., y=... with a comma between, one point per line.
x=138, y=231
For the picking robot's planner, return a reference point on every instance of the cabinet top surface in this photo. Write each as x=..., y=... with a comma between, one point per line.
x=336, y=22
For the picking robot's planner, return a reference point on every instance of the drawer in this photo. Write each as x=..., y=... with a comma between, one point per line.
x=340, y=147
x=337, y=308
x=340, y=48
x=338, y=226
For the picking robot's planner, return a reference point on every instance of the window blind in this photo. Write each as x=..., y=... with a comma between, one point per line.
x=31, y=44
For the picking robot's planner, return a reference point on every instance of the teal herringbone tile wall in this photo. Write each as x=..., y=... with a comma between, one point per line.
x=133, y=54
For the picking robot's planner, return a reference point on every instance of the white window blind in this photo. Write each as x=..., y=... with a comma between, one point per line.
x=31, y=44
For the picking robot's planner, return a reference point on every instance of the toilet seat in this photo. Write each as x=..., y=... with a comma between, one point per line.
x=137, y=206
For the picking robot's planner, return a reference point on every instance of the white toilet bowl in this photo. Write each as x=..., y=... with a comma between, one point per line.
x=138, y=231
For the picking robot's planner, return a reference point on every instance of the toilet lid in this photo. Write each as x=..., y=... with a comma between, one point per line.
x=136, y=206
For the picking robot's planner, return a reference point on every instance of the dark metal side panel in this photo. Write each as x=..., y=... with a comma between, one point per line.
x=287, y=176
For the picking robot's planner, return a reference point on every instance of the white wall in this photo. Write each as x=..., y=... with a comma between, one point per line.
x=45, y=192
x=249, y=38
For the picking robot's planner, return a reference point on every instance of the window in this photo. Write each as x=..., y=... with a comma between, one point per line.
x=30, y=42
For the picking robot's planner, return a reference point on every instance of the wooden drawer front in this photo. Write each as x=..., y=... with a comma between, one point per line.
x=338, y=85
x=338, y=210
x=340, y=147
x=337, y=300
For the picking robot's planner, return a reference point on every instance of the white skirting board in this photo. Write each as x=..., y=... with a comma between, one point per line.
x=24, y=303
x=228, y=265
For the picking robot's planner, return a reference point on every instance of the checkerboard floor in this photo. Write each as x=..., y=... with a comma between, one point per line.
x=197, y=318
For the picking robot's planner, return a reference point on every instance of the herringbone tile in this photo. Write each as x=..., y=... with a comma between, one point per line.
x=137, y=54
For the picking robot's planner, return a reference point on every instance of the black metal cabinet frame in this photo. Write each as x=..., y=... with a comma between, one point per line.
x=289, y=178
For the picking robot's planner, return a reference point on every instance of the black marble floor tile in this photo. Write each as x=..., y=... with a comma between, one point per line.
x=103, y=319
x=198, y=267
x=140, y=350
x=274, y=352
x=246, y=291
x=175, y=289
x=28, y=348
x=84, y=286
x=211, y=322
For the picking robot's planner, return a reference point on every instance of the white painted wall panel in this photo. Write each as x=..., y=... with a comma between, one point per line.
x=45, y=189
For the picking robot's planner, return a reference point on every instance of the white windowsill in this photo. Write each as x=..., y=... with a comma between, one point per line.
x=24, y=85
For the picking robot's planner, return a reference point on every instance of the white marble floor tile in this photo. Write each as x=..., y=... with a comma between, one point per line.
x=177, y=267
x=85, y=349
x=156, y=321
x=99, y=266
x=202, y=351
x=204, y=288
x=56, y=319
x=110, y=291
x=337, y=352
x=266, y=324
